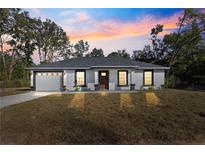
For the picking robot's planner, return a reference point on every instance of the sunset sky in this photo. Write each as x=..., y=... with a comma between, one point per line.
x=111, y=29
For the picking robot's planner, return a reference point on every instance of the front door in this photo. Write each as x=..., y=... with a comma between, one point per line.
x=104, y=79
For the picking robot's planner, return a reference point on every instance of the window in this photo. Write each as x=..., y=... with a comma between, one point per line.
x=49, y=74
x=39, y=74
x=148, y=78
x=122, y=78
x=59, y=74
x=103, y=74
x=80, y=78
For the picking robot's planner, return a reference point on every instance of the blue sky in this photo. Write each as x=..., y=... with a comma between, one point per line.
x=121, y=14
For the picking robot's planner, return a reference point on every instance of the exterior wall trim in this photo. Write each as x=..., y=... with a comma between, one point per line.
x=154, y=68
x=98, y=67
x=131, y=66
x=58, y=68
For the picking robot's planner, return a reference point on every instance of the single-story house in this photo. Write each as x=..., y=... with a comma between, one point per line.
x=96, y=73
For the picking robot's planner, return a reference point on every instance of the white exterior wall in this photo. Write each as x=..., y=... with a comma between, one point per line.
x=69, y=79
x=90, y=76
x=134, y=77
x=113, y=79
x=126, y=87
x=137, y=78
x=90, y=79
x=159, y=77
x=96, y=76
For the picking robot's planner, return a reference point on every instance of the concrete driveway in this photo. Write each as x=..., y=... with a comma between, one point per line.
x=19, y=98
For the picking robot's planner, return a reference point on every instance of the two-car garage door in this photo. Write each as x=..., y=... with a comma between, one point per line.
x=48, y=81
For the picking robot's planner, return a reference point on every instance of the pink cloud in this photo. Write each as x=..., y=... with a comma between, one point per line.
x=111, y=34
x=109, y=29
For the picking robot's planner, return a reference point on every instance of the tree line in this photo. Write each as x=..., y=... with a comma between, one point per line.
x=183, y=50
x=21, y=36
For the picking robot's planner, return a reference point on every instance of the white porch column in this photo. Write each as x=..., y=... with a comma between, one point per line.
x=96, y=76
x=64, y=78
x=31, y=78
x=131, y=76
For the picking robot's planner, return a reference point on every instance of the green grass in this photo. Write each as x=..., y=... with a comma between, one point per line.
x=154, y=117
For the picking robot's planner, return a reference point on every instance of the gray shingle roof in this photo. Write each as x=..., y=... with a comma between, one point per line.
x=90, y=62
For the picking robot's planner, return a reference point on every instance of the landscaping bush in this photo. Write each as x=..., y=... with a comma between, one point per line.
x=76, y=88
x=168, y=82
x=150, y=88
x=15, y=83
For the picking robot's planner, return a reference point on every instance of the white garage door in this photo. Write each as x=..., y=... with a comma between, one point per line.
x=48, y=81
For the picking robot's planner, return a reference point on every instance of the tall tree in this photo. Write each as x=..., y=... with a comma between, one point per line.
x=22, y=42
x=81, y=48
x=6, y=25
x=119, y=53
x=182, y=50
x=155, y=52
x=142, y=55
x=95, y=53
x=14, y=34
x=187, y=48
x=38, y=36
x=191, y=28
x=21, y=35
x=51, y=41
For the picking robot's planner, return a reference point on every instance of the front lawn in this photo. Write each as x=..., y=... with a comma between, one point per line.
x=159, y=117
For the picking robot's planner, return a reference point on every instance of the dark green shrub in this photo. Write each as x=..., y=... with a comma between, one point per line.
x=15, y=83
x=168, y=82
